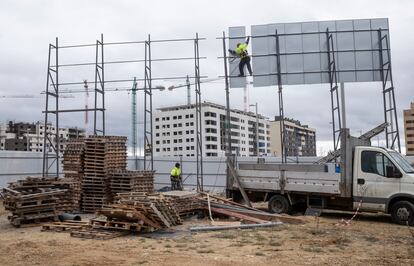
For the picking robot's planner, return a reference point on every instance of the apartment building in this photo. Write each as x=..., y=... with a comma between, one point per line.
x=30, y=136
x=174, y=130
x=300, y=140
x=409, y=129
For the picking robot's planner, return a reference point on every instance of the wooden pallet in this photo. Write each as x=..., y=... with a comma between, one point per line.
x=116, y=225
x=64, y=226
x=97, y=234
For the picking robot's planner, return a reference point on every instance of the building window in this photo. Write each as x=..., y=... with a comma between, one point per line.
x=211, y=122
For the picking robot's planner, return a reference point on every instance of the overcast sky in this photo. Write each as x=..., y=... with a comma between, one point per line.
x=27, y=27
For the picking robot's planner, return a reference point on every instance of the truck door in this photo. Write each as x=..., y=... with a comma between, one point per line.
x=372, y=184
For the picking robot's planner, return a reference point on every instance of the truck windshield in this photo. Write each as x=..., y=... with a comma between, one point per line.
x=402, y=162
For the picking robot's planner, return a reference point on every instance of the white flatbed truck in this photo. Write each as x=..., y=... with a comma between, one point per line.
x=374, y=179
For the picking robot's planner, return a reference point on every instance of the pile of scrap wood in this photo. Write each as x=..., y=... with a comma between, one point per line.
x=132, y=212
x=227, y=208
x=138, y=211
x=122, y=181
x=73, y=157
x=34, y=200
x=102, y=155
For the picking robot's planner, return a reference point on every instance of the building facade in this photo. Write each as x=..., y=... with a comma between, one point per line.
x=300, y=140
x=174, y=131
x=30, y=136
x=409, y=129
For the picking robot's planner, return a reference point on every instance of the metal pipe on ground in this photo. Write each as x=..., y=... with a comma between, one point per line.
x=69, y=217
x=229, y=227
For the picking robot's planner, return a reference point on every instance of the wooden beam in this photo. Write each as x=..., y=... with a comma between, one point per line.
x=239, y=185
x=238, y=215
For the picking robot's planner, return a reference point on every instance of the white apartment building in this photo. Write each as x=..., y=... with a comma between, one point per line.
x=174, y=130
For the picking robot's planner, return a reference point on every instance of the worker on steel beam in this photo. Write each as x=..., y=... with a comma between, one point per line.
x=176, y=181
x=241, y=51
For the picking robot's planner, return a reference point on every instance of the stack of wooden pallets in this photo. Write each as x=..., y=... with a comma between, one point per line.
x=73, y=157
x=122, y=181
x=33, y=200
x=186, y=202
x=102, y=154
x=70, y=200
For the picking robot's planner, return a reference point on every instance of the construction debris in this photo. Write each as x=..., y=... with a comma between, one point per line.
x=229, y=227
x=236, y=210
x=150, y=211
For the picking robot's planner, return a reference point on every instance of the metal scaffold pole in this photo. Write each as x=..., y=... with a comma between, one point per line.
x=148, y=141
x=281, y=109
x=134, y=122
x=333, y=82
x=200, y=185
x=392, y=135
x=99, y=87
x=227, y=121
x=51, y=139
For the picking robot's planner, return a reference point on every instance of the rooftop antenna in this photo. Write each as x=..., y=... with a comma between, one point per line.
x=187, y=81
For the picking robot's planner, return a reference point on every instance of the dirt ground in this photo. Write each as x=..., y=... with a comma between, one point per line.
x=370, y=240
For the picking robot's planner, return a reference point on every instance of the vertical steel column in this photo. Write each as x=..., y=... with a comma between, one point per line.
x=50, y=137
x=280, y=94
x=148, y=147
x=392, y=134
x=57, y=138
x=333, y=81
x=134, y=122
x=227, y=123
x=99, y=86
x=199, y=137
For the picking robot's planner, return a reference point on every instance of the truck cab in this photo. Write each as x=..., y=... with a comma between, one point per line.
x=383, y=181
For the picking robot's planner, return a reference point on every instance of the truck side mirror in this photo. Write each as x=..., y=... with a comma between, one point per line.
x=391, y=171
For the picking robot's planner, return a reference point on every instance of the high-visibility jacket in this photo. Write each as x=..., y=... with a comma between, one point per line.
x=242, y=50
x=176, y=172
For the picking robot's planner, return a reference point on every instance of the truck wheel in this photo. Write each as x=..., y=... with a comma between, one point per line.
x=279, y=204
x=402, y=212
